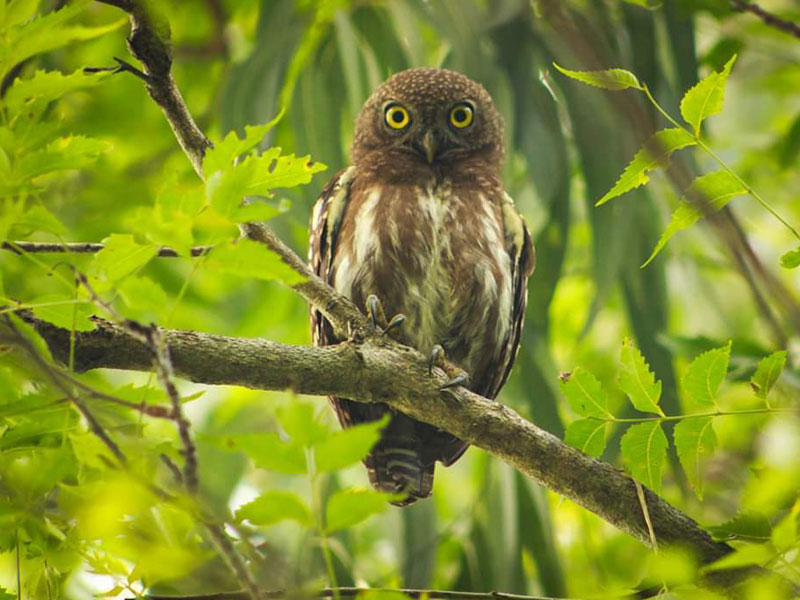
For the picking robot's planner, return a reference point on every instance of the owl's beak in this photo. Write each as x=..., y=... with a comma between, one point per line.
x=428, y=144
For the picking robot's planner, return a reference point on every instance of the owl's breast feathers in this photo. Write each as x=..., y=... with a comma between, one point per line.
x=452, y=254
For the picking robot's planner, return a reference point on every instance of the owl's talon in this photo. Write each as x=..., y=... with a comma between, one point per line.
x=435, y=358
x=458, y=380
x=396, y=322
x=376, y=314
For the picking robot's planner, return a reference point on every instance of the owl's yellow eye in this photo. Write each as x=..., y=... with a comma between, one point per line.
x=461, y=115
x=397, y=116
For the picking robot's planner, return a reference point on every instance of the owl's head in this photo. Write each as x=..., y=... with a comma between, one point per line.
x=434, y=116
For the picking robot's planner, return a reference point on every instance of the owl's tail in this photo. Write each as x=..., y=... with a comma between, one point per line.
x=395, y=463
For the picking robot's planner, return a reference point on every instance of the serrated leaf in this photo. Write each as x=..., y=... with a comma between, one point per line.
x=249, y=259
x=65, y=153
x=638, y=381
x=143, y=294
x=268, y=452
x=768, y=371
x=285, y=172
x=791, y=259
x=348, y=446
x=706, y=97
x=275, y=506
x=46, y=86
x=299, y=420
x=122, y=256
x=644, y=449
x=352, y=506
x=231, y=147
x=655, y=153
x=585, y=395
x=695, y=441
x=715, y=190
x=705, y=374
x=609, y=79
x=63, y=311
x=587, y=435
x=751, y=554
x=747, y=527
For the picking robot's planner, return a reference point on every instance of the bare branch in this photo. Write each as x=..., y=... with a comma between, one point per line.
x=84, y=248
x=769, y=18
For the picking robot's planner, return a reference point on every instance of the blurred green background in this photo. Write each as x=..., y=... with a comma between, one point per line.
x=239, y=62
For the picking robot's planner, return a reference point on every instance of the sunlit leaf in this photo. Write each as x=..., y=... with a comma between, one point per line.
x=365, y=595
x=609, y=79
x=274, y=506
x=791, y=259
x=64, y=311
x=655, y=153
x=587, y=435
x=715, y=190
x=122, y=256
x=644, y=449
x=695, y=441
x=46, y=86
x=348, y=446
x=352, y=506
x=38, y=218
x=750, y=554
x=705, y=374
x=231, y=147
x=269, y=452
x=585, y=394
x=300, y=421
x=143, y=294
x=767, y=373
x=748, y=526
x=255, y=211
x=705, y=98
x=638, y=381
x=71, y=152
x=250, y=259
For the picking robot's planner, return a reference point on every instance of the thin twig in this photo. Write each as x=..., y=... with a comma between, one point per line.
x=769, y=18
x=646, y=513
x=84, y=248
x=350, y=592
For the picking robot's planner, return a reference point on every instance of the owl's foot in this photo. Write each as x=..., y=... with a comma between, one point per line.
x=378, y=317
x=437, y=359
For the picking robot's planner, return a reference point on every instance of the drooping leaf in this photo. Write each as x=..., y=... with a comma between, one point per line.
x=275, y=506
x=706, y=98
x=644, y=449
x=585, y=394
x=791, y=259
x=269, y=452
x=705, y=374
x=638, y=381
x=714, y=189
x=299, y=420
x=352, y=506
x=695, y=441
x=747, y=526
x=767, y=373
x=609, y=79
x=587, y=435
x=249, y=259
x=655, y=153
x=122, y=256
x=348, y=446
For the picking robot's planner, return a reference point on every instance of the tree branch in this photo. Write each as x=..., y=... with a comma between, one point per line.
x=83, y=248
x=770, y=19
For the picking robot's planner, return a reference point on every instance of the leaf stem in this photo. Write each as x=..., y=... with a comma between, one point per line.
x=316, y=507
x=719, y=413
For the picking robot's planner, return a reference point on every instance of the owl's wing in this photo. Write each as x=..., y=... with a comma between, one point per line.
x=523, y=260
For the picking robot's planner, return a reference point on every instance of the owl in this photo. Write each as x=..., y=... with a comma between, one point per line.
x=421, y=226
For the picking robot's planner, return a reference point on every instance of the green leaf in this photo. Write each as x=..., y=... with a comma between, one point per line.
x=255, y=211
x=46, y=86
x=348, y=446
x=747, y=527
x=638, y=381
x=121, y=256
x=274, y=506
x=38, y=218
x=644, y=449
x=655, y=153
x=714, y=189
x=791, y=259
x=706, y=98
x=751, y=554
x=299, y=420
x=352, y=506
x=269, y=452
x=585, y=394
x=376, y=594
x=70, y=152
x=587, y=435
x=609, y=79
x=63, y=311
x=143, y=294
x=767, y=373
x=695, y=441
x=231, y=147
x=705, y=374
x=249, y=259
